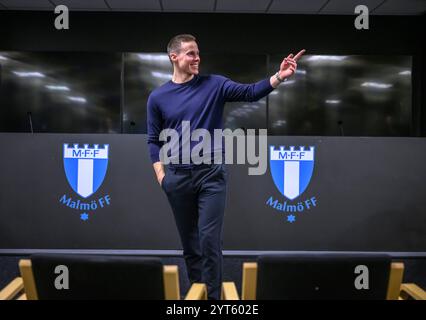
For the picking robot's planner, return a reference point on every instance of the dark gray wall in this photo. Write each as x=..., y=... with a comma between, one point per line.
x=369, y=192
x=216, y=33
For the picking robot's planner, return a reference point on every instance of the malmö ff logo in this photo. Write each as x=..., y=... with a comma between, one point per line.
x=291, y=172
x=85, y=169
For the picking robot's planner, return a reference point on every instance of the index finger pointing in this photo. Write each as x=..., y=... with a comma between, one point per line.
x=299, y=54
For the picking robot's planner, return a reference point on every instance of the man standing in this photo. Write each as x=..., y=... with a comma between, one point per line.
x=197, y=192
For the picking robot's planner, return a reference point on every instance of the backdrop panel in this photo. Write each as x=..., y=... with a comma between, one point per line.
x=364, y=194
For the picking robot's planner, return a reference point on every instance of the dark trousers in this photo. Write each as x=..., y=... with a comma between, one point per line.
x=197, y=197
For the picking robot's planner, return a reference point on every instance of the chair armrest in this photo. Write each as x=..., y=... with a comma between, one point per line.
x=12, y=289
x=229, y=291
x=25, y=266
x=198, y=291
x=248, y=291
x=412, y=290
x=171, y=283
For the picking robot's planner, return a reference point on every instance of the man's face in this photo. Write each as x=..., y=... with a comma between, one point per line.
x=188, y=58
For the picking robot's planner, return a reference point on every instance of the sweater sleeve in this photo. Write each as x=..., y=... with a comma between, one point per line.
x=234, y=91
x=154, y=127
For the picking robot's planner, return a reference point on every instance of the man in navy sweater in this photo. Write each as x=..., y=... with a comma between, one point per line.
x=197, y=192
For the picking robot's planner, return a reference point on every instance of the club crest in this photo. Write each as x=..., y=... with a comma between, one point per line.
x=291, y=169
x=85, y=168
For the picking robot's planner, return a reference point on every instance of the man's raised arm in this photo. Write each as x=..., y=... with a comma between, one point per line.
x=234, y=91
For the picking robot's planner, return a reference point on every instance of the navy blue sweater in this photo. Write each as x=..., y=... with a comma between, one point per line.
x=200, y=101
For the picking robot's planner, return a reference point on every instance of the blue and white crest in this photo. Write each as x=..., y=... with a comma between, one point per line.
x=85, y=168
x=291, y=169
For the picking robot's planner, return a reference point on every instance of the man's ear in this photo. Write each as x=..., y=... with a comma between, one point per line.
x=173, y=56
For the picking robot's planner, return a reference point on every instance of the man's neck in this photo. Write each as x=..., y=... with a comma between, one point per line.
x=181, y=77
